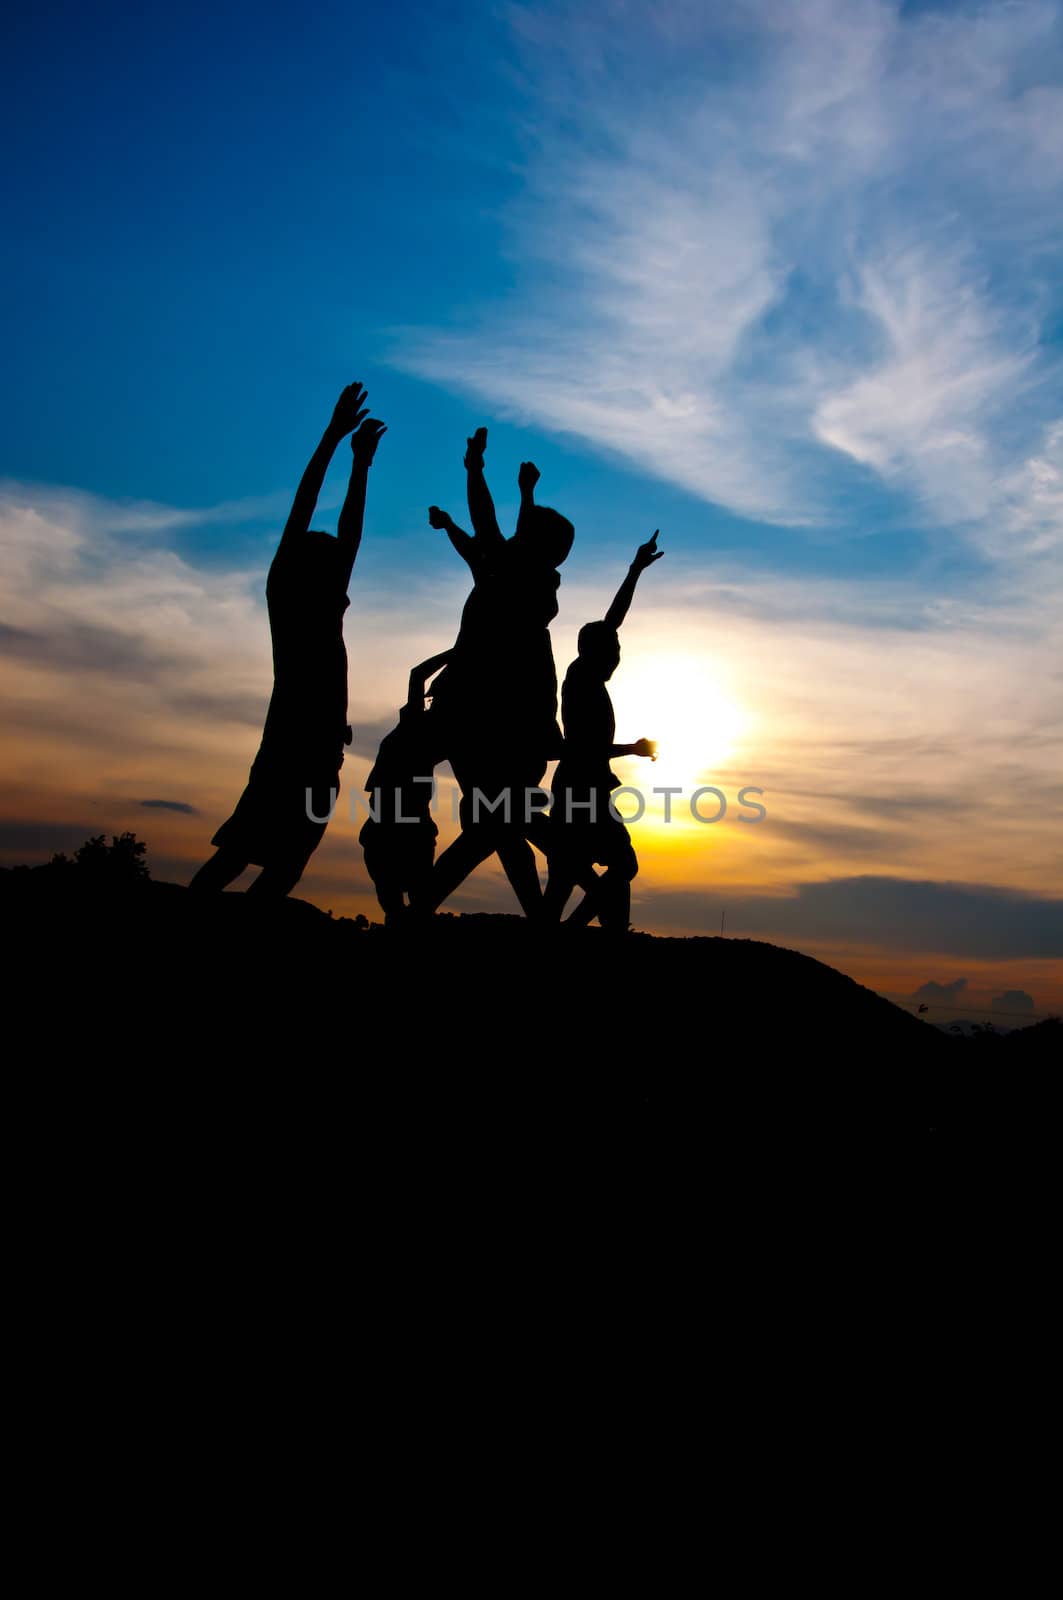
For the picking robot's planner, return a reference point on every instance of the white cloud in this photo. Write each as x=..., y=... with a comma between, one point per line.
x=88, y=515
x=1031, y=498
x=774, y=245
x=924, y=413
x=128, y=671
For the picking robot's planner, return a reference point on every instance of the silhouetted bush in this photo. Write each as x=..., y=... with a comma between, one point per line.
x=113, y=866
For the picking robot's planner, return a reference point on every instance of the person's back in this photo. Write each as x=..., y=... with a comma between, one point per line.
x=306, y=598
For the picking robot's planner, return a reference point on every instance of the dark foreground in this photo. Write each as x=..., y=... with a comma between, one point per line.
x=486, y=1023
x=257, y=1152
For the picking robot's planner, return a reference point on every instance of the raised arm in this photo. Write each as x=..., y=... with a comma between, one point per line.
x=420, y=674
x=347, y=415
x=349, y=527
x=463, y=542
x=527, y=478
x=481, y=507
x=645, y=556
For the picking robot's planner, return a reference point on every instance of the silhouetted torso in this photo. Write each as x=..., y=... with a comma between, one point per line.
x=500, y=690
x=306, y=602
x=407, y=754
x=590, y=729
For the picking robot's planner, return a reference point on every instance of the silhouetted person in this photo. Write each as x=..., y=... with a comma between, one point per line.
x=497, y=700
x=399, y=838
x=582, y=826
x=294, y=779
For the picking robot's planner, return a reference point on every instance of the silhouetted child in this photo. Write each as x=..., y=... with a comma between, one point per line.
x=583, y=828
x=399, y=838
x=282, y=814
x=497, y=700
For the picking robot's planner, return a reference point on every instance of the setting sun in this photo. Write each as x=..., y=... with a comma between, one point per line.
x=680, y=701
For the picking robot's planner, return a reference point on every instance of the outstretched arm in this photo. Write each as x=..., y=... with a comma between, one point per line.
x=463, y=542
x=347, y=415
x=645, y=556
x=349, y=527
x=420, y=674
x=481, y=506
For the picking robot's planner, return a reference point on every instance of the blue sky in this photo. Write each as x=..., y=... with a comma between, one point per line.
x=224, y=212
x=783, y=280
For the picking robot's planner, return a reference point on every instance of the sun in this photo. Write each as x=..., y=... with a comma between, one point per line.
x=681, y=700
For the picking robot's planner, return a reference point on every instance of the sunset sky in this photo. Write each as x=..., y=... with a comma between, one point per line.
x=783, y=280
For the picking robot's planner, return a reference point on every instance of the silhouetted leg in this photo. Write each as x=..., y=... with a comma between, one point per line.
x=609, y=901
x=518, y=863
x=454, y=866
x=614, y=891
x=559, y=886
x=466, y=853
x=479, y=839
x=277, y=881
x=382, y=848
x=538, y=831
x=390, y=896
x=223, y=868
x=609, y=897
x=584, y=914
x=614, y=905
x=417, y=876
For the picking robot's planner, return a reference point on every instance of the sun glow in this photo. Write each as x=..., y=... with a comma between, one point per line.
x=677, y=699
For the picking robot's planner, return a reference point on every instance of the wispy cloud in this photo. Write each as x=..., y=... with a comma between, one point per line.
x=88, y=515
x=771, y=253
x=127, y=671
x=180, y=806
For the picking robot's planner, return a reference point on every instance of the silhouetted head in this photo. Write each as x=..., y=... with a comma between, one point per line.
x=599, y=648
x=320, y=547
x=549, y=532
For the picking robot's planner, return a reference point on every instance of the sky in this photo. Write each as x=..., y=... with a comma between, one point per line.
x=783, y=281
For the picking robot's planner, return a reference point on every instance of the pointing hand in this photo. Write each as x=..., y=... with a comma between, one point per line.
x=647, y=554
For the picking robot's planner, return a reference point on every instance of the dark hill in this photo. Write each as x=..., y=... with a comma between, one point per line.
x=163, y=981
x=289, y=1122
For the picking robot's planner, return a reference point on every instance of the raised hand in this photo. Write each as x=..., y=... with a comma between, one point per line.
x=646, y=747
x=367, y=438
x=474, y=454
x=647, y=554
x=350, y=409
x=439, y=519
x=527, y=477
